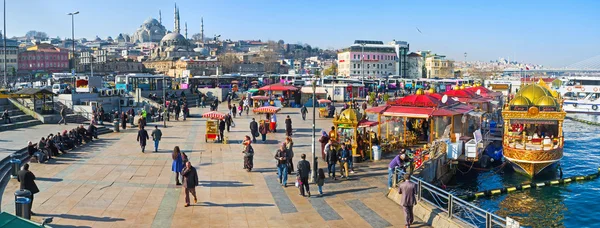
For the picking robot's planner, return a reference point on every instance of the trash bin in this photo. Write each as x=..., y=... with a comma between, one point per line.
x=116, y=126
x=23, y=203
x=16, y=165
x=376, y=153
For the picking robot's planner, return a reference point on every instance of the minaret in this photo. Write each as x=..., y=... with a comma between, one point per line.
x=159, y=17
x=186, y=30
x=176, y=21
x=202, y=29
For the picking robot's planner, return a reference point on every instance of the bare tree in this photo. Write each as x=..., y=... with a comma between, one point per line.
x=228, y=60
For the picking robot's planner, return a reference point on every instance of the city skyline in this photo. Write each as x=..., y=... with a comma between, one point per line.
x=549, y=33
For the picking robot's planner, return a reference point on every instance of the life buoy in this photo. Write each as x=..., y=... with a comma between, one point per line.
x=595, y=107
x=582, y=89
x=569, y=88
x=575, y=105
x=595, y=89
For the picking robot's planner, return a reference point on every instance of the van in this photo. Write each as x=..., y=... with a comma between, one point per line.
x=59, y=88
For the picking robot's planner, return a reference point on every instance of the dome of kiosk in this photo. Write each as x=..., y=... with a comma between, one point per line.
x=431, y=91
x=455, y=88
x=419, y=92
x=520, y=101
x=348, y=116
x=533, y=92
x=546, y=101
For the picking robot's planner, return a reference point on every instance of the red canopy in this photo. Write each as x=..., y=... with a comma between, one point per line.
x=277, y=87
x=378, y=109
x=485, y=92
x=323, y=101
x=260, y=98
x=411, y=112
x=367, y=123
x=267, y=109
x=461, y=93
x=418, y=101
x=214, y=115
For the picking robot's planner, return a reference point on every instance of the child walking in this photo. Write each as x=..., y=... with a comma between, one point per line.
x=321, y=181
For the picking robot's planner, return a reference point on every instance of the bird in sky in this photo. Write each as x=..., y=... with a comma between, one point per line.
x=419, y=30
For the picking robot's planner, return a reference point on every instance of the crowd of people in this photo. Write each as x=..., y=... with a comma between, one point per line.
x=55, y=144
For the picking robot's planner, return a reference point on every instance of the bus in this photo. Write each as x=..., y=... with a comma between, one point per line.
x=224, y=81
x=146, y=82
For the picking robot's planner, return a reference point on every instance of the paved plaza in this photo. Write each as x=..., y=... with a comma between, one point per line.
x=111, y=183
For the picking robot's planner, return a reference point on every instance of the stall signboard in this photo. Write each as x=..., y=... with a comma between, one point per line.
x=526, y=121
x=519, y=108
x=548, y=109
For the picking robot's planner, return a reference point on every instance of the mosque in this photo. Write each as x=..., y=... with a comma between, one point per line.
x=174, y=45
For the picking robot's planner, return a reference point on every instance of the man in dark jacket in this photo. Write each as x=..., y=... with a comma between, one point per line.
x=254, y=130
x=142, y=137
x=408, y=190
x=302, y=174
x=282, y=157
x=92, y=131
x=303, y=111
x=156, y=135
x=221, y=130
x=190, y=181
x=228, y=121
x=331, y=158
x=27, y=180
x=288, y=126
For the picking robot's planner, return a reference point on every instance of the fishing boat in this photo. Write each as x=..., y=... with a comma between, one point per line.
x=533, y=134
x=581, y=95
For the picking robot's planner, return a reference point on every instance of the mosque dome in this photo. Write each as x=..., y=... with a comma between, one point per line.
x=202, y=51
x=533, y=92
x=151, y=21
x=546, y=101
x=173, y=38
x=520, y=101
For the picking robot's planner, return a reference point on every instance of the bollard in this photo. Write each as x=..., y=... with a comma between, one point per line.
x=16, y=165
x=116, y=126
x=23, y=203
x=395, y=180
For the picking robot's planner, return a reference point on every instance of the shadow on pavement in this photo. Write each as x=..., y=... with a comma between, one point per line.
x=209, y=204
x=81, y=217
x=350, y=190
x=48, y=179
x=218, y=184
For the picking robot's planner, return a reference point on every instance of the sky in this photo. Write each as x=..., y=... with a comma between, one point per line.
x=551, y=33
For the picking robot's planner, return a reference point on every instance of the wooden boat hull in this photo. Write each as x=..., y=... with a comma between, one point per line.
x=532, y=162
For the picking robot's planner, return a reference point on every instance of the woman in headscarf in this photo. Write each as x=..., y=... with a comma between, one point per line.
x=323, y=140
x=248, y=152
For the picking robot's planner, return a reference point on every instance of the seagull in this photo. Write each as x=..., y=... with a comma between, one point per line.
x=419, y=30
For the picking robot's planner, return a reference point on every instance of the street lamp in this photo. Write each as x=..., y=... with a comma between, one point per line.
x=314, y=157
x=73, y=41
x=362, y=63
x=4, y=48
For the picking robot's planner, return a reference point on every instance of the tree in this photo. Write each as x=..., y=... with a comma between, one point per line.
x=332, y=70
x=36, y=35
x=197, y=37
x=228, y=61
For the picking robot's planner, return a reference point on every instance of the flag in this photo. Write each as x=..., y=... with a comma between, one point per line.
x=526, y=67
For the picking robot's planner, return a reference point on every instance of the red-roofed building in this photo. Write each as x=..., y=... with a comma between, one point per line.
x=44, y=57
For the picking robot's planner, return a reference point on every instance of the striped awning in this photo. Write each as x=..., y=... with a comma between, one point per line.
x=267, y=109
x=214, y=115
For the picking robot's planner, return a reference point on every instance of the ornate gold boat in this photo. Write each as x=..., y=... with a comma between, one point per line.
x=533, y=135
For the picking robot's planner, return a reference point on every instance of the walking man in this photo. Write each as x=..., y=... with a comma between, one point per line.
x=190, y=181
x=228, y=121
x=408, y=190
x=142, y=137
x=288, y=126
x=331, y=158
x=303, y=173
x=62, y=115
x=26, y=179
x=156, y=135
x=254, y=130
x=263, y=129
x=281, y=156
x=221, y=130
x=6, y=117
x=303, y=110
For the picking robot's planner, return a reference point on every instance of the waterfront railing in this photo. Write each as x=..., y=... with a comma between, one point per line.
x=454, y=207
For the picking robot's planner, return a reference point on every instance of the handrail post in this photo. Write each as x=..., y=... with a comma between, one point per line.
x=450, y=205
x=488, y=220
x=420, y=189
x=395, y=176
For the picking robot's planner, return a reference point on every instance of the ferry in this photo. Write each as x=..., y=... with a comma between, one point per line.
x=533, y=136
x=581, y=94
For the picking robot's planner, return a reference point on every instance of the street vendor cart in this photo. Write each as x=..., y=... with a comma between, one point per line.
x=269, y=111
x=346, y=126
x=212, y=125
x=258, y=100
x=323, y=107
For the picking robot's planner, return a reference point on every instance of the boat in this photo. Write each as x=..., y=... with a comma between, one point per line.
x=581, y=94
x=533, y=129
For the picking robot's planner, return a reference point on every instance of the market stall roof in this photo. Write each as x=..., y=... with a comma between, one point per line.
x=460, y=93
x=278, y=87
x=378, y=109
x=423, y=100
x=444, y=112
x=267, y=109
x=323, y=101
x=367, y=123
x=485, y=92
x=309, y=90
x=472, y=100
x=214, y=115
x=8, y=221
x=407, y=111
x=260, y=98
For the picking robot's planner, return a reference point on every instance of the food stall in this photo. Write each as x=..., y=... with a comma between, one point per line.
x=258, y=100
x=367, y=138
x=212, y=125
x=323, y=107
x=346, y=128
x=268, y=110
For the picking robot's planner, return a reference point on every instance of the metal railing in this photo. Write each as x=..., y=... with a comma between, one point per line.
x=454, y=207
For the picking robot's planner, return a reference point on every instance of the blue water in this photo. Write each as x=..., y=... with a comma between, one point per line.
x=571, y=205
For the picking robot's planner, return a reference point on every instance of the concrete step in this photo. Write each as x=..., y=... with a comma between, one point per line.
x=19, y=118
x=13, y=112
x=22, y=124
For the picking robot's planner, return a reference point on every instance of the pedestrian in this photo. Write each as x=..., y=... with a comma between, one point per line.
x=240, y=110
x=332, y=159
x=303, y=111
x=248, y=152
x=156, y=135
x=186, y=111
x=288, y=126
x=323, y=140
x=395, y=163
x=289, y=146
x=254, y=130
x=302, y=175
x=177, y=110
x=229, y=121
x=273, y=123
x=263, y=129
x=320, y=181
x=63, y=111
x=142, y=137
x=281, y=157
x=408, y=190
x=221, y=129
x=203, y=101
x=177, y=164
x=190, y=181
x=124, y=120
x=6, y=117
x=332, y=134
x=233, y=110
x=27, y=182
x=344, y=156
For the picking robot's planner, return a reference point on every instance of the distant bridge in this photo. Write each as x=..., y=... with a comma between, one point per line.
x=589, y=66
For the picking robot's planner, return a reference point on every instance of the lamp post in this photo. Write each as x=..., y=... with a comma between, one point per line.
x=362, y=63
x=314, y=157
x=4, y=47
x=73, y=42
x=164, y=103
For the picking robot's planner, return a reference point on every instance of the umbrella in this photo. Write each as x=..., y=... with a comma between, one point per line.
x=267, y=109
x=253, y=90
x=323, y=101
x=418, y=101
x=260, y=98
x=234, y=82
x=214, y=115
x=277, y=87
x=254, y=82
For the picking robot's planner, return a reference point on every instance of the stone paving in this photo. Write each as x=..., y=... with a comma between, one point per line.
x=111, y=183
